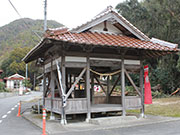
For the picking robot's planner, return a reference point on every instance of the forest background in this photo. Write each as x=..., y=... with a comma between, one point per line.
x=155, y=18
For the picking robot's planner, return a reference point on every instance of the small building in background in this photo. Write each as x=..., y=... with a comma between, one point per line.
x=15, y=82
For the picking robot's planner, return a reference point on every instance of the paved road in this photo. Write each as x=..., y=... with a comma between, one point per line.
x=168, y=128
x=12, y=125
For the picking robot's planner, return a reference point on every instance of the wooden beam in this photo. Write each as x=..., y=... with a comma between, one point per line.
x=100, y=84
x=75, y=64
x=59, y=89
x=77, y=80
x=129, y=67
x=63, y=70
x=131, y=81
x=70, y=81
x=100, y=55
x=44, y=85
x=47, y=86
x=123, y=87
x=88, y=89
x=63, y=114
x=60, y=79
x=115, y=84
x=103, y=63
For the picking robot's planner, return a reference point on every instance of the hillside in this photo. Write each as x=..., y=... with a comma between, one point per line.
x=18, y=34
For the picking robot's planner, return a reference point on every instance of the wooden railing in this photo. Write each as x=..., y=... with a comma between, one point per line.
x=133, y=102
x=79, y=105
x=74, y=106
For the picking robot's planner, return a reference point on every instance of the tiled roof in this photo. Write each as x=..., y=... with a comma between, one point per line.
x=83, y=35
x=13, y=78
x=107, y=39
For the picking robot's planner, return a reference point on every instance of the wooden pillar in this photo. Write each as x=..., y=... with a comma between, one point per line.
x=63, y=70
x=141, y=87
x=70, y=80
x=44, y=85
x=52, y=86
x=88, y=89
x=92, y=88
x=123, y=87
x=74, y=79
x=108, y=89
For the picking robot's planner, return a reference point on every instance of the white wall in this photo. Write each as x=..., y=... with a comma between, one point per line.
x=10, y=84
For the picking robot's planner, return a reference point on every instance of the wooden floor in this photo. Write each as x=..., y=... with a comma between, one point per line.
x=105, y=107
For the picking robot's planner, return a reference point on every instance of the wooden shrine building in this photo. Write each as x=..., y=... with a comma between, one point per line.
x=108, y=45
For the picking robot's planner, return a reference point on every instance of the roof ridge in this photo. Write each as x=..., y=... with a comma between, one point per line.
x=102, y=13
x=108, y=10
x=56, y=31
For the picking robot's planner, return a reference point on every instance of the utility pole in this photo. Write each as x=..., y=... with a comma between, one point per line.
x=26, y=76
x=26, y=71
x=45, y=15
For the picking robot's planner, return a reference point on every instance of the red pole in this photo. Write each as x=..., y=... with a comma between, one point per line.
x=19, y=110
x=44, y=122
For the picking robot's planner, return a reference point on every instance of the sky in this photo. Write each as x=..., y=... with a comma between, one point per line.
x=71, y=13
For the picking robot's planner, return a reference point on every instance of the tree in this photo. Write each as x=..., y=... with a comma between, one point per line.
x=160, y=19
x=14, y=64
x=27, y=83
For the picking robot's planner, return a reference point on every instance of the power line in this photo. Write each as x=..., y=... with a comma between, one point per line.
x=23, y=19
x=15, y=8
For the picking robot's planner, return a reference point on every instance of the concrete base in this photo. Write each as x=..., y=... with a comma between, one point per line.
x=52, y=117
x=54, y=127
x=142, y=115
x=88, y=120
x=63, y=122
x=112, y=120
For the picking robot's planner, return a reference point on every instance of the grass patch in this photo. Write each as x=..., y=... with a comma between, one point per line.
x=169, y=107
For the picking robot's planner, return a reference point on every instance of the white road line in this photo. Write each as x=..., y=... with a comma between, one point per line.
x=15, y=106
x=4, y=116
x=12, y=108
x=9, y=112
x=0, y=121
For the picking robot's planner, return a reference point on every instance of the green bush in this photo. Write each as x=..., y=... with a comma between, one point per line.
x=131, y=91
x=27, y=83
x=157, y=94
x=2, y=86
